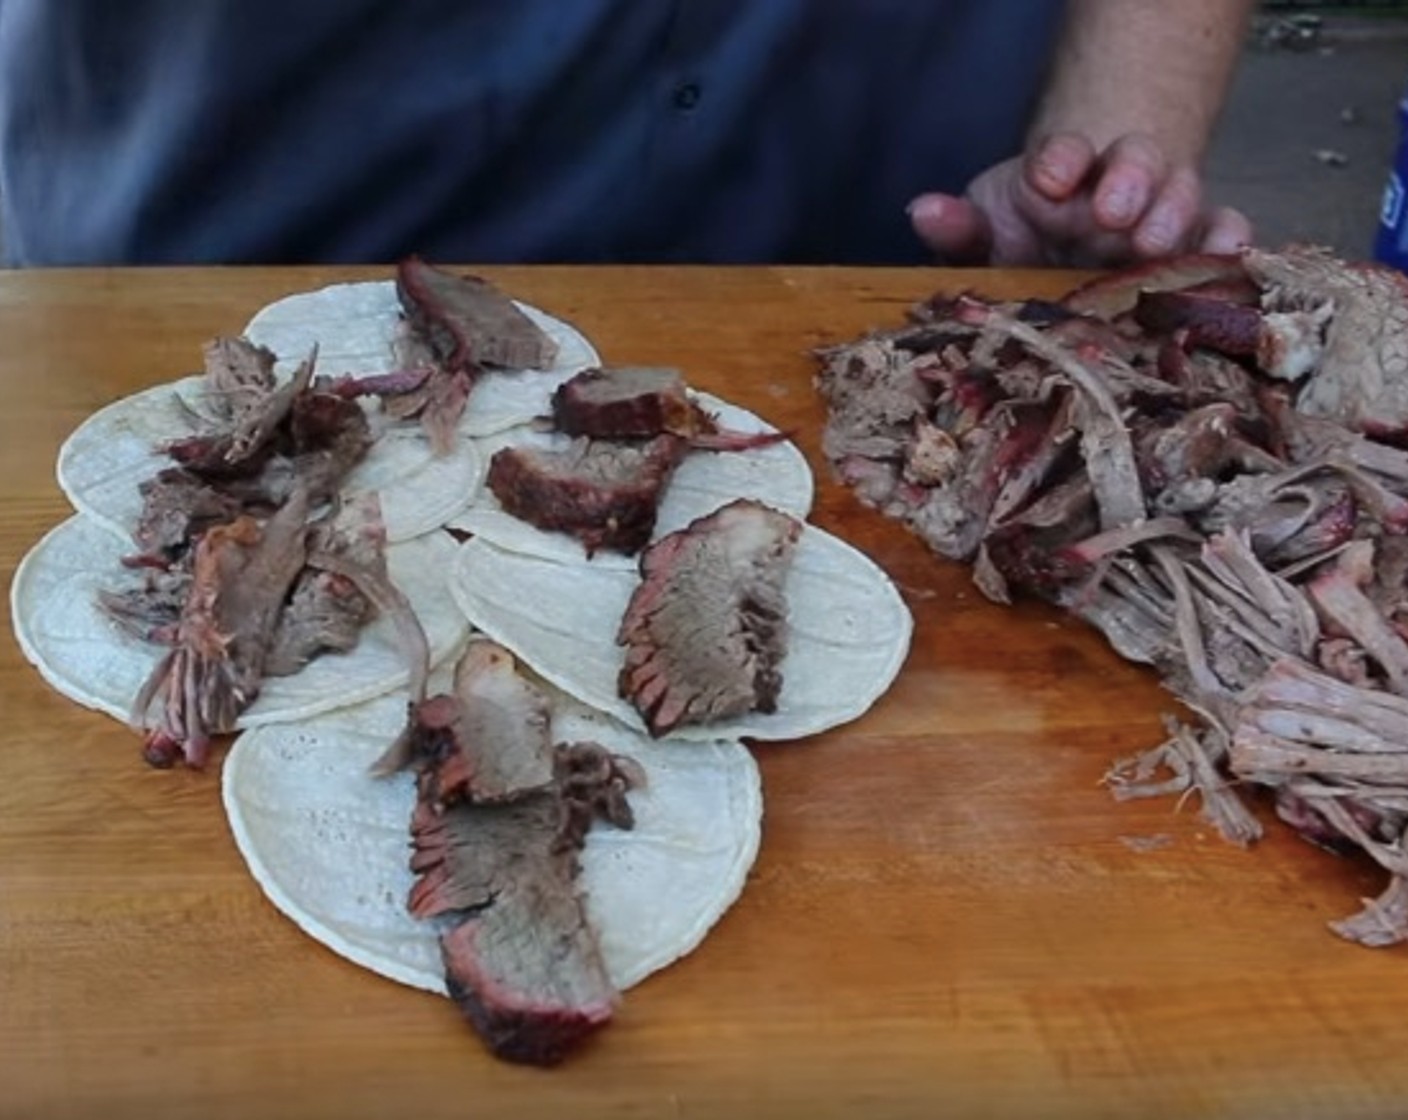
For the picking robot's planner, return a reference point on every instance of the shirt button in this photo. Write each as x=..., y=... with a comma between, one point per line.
x=687, y=95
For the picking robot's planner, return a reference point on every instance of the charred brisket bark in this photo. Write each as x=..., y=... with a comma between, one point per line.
x=522, y=961
x=626, y=402
x=631, y=426
x=706, y=629
x=641, y=402
x=604, y=493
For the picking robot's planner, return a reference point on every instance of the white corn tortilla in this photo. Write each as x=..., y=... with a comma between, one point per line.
x=354, y=326
x=110, y=454
x=777, y=475
x=849, y=631
x=88, y=658
x=330, y=845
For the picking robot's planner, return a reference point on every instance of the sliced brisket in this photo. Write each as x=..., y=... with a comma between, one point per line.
x=522, y=960
x=468, y=322
x=500, y=820
x=706, y=629
x=640, y=402
x=1117, y=293
x=486, y=741
x=604, y=493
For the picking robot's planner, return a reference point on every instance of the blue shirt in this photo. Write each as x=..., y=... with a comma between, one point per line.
x=522, y=130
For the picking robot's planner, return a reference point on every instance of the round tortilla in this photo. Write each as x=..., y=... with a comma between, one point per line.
x=88, y=658
x=777, y=475
x=355, y=325
x=849, y=631
x=330, y=845
x=110, y=454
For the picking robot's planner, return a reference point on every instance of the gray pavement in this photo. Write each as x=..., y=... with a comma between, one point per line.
x=1308, y=136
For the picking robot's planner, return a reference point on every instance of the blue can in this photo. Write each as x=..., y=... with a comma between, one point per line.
x=1391, y=244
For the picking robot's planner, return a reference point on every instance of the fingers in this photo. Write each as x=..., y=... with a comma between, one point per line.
x=1065, y=203
x=953, y=228
x=1133, y=174
x=1056, y=168
x=1227, y=230
x=1174, y=218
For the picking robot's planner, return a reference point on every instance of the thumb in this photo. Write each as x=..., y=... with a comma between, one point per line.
x=952, y=227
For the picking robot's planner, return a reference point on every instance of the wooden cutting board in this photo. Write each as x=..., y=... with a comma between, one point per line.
x=949, y=915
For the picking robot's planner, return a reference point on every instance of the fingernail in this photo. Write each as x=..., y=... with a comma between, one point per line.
x=1157, y=236
x=1120, y=203
x=1054, y=171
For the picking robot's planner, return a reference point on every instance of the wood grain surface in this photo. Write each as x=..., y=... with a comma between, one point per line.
x=948, y=915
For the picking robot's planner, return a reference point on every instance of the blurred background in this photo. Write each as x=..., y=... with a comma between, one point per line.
x=1311, y=130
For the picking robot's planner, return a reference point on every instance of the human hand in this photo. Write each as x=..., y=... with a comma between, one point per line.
x=1065, y=203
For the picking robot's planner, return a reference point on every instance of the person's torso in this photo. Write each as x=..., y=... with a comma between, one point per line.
x=468, y=130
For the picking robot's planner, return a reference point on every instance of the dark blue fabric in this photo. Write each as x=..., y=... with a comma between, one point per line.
x=482, y=131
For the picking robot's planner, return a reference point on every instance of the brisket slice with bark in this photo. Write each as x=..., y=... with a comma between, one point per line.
x=456, y=326
x=639, y=402
x=706, y=629
x=604, y=493
x=468, y=322
x=500, y=819
x=486, y=741
x=522, y=961
x=1117, y=293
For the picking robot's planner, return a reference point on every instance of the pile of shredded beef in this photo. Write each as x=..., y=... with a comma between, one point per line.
x=235, y=578
x=1205, y=460
x=248, y=565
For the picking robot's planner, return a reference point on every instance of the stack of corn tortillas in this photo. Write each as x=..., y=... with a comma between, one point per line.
x=327, y=841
